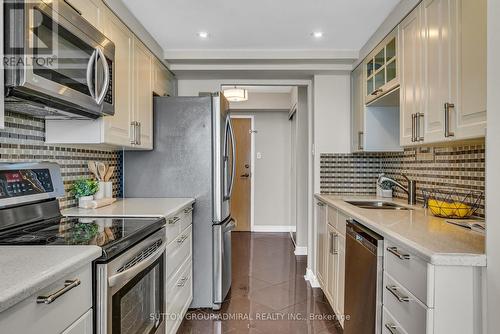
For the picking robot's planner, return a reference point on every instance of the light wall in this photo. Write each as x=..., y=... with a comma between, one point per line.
x=332, y=118
x=492, y=170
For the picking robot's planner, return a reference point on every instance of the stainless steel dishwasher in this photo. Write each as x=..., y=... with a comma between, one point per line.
x=363, y=280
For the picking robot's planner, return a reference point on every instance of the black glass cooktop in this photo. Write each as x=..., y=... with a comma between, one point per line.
x=112, y=234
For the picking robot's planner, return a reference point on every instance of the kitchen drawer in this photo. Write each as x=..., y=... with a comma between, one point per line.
x=332, y=216
x=29, y=317
x=408, y=311
x=178, y=251
x=187, y=217
x=391, y=325
x=179, y=296
x=410, y=271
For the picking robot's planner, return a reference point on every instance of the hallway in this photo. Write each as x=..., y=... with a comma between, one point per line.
x=268, y=294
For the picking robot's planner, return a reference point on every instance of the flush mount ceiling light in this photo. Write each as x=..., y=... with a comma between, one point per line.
x=203, y=34
x=236, y=94
x=317, y=34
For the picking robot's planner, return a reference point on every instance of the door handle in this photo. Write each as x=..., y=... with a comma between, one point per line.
x=394, y=290
x=393, y=329
x=233, y=146
x=68, y=285
x=245, y=175
x=447, y=110
x=89, y=74
x=105, y=87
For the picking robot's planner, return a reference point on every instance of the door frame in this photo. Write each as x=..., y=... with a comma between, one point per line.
x=252, y=164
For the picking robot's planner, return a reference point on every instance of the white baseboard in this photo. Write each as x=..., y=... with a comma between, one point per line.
x=273, y=228
x=300, y=250
x=309, y=276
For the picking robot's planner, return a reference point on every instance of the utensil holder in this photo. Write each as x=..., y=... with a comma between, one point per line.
x=108, y=189
x=100, y=194
x=83, y=201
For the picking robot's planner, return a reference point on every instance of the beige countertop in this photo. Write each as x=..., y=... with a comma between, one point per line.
x=429, y=237
x=28, y=269
x=134, y=207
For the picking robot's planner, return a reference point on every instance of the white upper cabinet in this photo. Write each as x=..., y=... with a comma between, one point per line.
x=138, y=76
x=357, y=109
x=118, y=128
x=411, y=77
x=143, y=92
x=438, y=68
x=382, y=68
x=90, y=10
x=443, y=72
x=471, y=66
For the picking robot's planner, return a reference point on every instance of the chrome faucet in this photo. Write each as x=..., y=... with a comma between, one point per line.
x=411, y=189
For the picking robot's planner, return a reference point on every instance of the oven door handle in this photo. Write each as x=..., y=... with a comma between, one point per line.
x=130, y=273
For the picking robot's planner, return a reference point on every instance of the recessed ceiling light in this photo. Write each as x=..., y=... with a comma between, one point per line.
x=317, y=34
x=203, y=34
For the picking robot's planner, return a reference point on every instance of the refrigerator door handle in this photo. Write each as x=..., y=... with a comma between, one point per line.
x=233, y=146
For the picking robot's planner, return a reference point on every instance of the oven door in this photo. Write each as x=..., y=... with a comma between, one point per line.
x=59, y=55
x=131, y=294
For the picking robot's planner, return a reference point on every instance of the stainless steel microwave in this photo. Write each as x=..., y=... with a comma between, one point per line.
x=57, y=65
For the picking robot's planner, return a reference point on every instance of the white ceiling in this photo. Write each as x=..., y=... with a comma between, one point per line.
x=261, y=24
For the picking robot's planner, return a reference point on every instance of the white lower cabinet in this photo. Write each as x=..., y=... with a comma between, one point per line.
x=83, y=325
x=179, y=267
x=419, y=297
x=330, y=268
x=70, y=313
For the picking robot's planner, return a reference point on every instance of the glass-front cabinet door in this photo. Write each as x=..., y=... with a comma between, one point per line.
x=381, y=68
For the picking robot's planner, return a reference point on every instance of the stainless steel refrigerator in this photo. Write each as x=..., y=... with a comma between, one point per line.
x=193, y=156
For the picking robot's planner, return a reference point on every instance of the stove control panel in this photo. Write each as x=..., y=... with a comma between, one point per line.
x=15, y=183
x=28, y=182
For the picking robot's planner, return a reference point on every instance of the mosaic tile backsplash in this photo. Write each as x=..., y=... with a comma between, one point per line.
x=458, y=167
x=23, y=140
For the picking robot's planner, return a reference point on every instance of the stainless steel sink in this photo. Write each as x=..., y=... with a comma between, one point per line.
x=379, y=205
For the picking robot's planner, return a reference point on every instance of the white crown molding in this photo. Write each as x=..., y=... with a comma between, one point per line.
x=328, y=54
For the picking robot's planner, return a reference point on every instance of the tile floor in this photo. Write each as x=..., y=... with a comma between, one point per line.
x=268, y=294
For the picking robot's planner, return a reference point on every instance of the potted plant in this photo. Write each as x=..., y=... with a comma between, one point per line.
x=84, y=190
x=384, y=189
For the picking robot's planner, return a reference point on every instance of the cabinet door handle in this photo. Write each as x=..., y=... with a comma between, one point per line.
x=397, y=253
x=330, y=243
x=360, y=140
x=419, y=136
x=393, y=329
x=320, y=204
x=188, y=210
x=335, y=244
x=133, y=133
x=447, y=110
x=139, y=133
x=174, y=220
x=68, y=285
x=376, y=91
x=394, y=290
x=182, y=239
x=413, y=130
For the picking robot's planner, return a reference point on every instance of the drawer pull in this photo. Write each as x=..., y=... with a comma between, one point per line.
x=68, y=285
x=393, y=329
x=396, y=252
x=174, y=220
x=182, y=239
x=394, y=290
x=188, y=210
x=182, y=282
